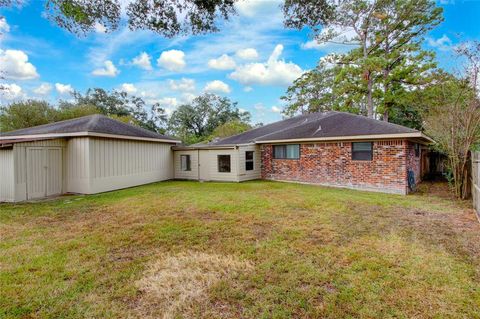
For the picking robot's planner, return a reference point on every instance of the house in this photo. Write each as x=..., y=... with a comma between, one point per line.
x=87, y=155
x=95, y=154
x=330, y=148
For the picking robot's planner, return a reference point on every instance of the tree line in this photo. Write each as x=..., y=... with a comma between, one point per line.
x=205, y=118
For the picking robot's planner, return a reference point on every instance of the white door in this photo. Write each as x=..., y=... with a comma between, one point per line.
x=204, y=165
x=44, y=172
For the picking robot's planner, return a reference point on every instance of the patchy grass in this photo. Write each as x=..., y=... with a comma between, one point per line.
x=175, y=282
x=252, y=250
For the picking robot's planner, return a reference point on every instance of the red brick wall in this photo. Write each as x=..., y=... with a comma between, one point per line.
x=332, y=164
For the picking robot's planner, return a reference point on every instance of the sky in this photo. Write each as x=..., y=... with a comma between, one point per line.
x=252, y=60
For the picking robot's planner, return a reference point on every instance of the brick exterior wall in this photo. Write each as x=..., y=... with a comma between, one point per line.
x=332, y=164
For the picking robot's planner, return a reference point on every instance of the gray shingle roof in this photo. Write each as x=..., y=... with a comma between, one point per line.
x=92, y=124
x=317, y=125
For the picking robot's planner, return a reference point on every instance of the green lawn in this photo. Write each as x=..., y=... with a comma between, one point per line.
x=250, y=250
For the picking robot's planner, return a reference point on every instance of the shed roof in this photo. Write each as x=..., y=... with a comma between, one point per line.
x=97, y=124
x=317, y=126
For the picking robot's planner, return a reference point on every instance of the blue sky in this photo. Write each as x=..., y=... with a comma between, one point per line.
x=252, y=59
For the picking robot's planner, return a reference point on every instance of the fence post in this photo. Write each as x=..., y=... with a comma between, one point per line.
x=476, y=182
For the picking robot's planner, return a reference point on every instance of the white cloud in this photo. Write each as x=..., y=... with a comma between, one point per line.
x=259, y=107
x=247, y=54
x=273, y=72
x=109, y=70
x=99, y=28
x=443, y=44
x=4, y=27
x=63, y=89
x=276, y=109
x=251, y=8
x=154, y=96
x=11, y=91
x=217, y=86
x=128, y=88
x=15, y=65
x=143, y=61
x=224, y=62
x=248, y=89
x=344, y=40
x=172, y=60
x=187, y=97
x=43, y=89
x=183, y=85
x=169, y=104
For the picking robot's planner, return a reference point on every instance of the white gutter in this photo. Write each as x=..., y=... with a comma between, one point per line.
x=88, y=134
x=191, y=148
x=349, y=138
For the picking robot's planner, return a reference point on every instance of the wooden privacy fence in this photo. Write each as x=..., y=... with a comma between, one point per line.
x=476, y=181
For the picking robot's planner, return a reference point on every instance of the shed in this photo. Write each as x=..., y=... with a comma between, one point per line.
x=87, y=155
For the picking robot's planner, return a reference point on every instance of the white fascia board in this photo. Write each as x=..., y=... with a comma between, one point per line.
x=88, y=134
x=350, y=138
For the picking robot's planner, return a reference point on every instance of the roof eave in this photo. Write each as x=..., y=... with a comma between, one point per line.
x=414, y=135
x=210, y=147
x=194, y=148
x=88, y=134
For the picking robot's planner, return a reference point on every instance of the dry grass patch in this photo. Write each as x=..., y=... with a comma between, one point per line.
x=174, y=283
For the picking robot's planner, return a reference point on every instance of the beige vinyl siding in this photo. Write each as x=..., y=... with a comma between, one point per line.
x=209, y=162
x=20, y=163
x=116, y=164
x=256, y=173
x=204, y=164
x=193, y=173
x=7, y=178
x=77, y=165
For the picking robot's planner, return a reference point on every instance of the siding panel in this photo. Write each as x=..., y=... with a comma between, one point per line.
x=193, y=174
x=7, y=180
x=256, y=173
x=77, y=165
x=212, y=164
x=126, y=163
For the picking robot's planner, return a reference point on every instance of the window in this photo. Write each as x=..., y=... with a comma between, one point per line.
x=362, y=151
x=289, y=151
x=223, y=163
x=185, y=163
x=249, y=160
x=417, y=149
